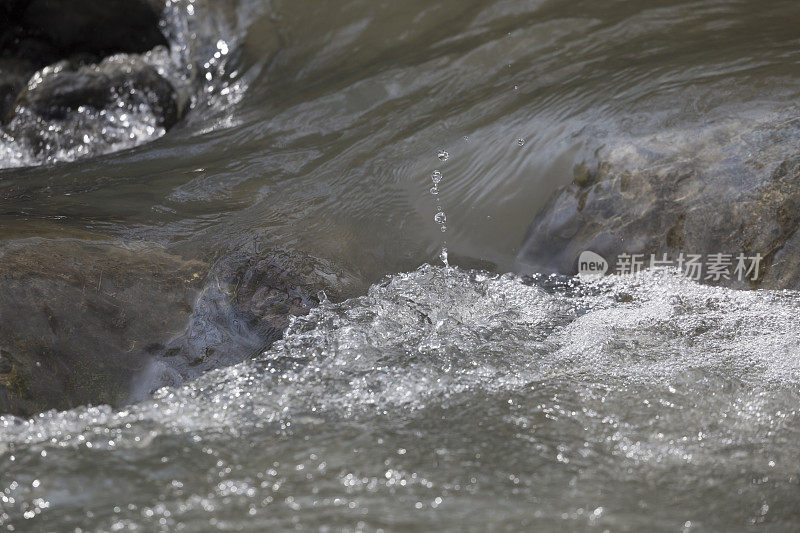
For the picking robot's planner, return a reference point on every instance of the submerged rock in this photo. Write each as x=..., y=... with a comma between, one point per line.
x=77, y=318
x=98, y=321
x=246, y=303
x=677, y=210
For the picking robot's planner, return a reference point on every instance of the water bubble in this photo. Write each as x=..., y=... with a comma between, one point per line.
x=443, y=155
x=521, y=141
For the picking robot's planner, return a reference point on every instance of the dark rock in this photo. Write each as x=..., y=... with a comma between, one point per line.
x=36, y=33
x=670, y=210
x=115, y=80
x=245, y=305
x=45, y=31
x=14, y=76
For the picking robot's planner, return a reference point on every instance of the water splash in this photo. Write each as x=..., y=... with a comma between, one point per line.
x=440, y=217
x=576, y=390
x=202, y=37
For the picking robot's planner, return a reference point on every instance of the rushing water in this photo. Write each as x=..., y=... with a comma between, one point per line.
x=443, y=398
x=448, y=399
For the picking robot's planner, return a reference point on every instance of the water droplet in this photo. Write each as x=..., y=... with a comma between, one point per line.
x=443, y=155
x=443, y=256
x=521, y=142
x=434, y=190
x=516, y=87
x=436, y=177
x=440, y=217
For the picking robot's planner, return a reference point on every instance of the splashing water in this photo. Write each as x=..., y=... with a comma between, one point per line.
x=444, y=394
x=197, y=67
x=443, y=399
x=440, y=217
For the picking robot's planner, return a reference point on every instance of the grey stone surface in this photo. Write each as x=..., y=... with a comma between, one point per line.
x=86, y=321
x=672, y=210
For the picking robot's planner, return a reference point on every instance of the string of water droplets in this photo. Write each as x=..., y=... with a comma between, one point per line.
x=440, y=217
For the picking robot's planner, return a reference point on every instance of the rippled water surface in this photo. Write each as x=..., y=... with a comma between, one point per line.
x=441, y=398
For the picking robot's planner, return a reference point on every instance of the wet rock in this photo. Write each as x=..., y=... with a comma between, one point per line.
x=244, y=306
x=36, y=33
x=97, y=321
x=70, y=110
x=121, y=80
x=61, y=56
x=673, y=209
x=76, y=317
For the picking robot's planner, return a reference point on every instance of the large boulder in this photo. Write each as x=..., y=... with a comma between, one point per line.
x=91, y=320
x=674, y=209
x=78, y=316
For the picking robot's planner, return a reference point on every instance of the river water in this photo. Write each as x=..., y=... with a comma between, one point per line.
x=432, y=397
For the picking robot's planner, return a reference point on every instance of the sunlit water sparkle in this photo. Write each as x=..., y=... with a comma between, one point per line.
x=446, y=395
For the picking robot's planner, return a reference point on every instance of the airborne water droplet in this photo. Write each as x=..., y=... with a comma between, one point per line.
x=436, y=177
x=521, y=142
x=443, y=155
x=440, y=217
x=443, y=256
